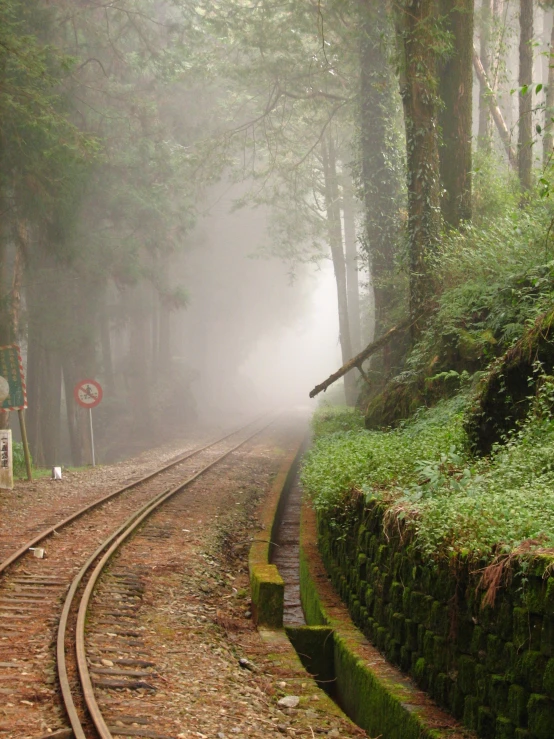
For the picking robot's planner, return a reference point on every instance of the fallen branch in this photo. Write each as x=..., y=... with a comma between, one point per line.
x=494, y=109
x=362, y=356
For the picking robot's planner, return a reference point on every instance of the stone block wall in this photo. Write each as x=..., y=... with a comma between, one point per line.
x=491, y=666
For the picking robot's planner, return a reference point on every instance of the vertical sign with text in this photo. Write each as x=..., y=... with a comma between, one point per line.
x=6, y=457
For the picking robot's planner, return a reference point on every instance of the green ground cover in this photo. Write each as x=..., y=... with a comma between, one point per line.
x=453, y=501
x=492, y=319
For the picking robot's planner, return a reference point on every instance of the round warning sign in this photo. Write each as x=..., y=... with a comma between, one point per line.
x=88, y=393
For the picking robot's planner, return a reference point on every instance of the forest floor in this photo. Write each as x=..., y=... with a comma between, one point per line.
x=195, y=613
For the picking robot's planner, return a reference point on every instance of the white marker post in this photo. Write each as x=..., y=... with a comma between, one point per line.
x=88, y=394
x=91, y=437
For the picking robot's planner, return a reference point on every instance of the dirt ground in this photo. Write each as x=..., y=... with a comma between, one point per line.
x=194, y=616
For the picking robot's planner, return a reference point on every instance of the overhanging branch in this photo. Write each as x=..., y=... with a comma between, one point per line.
x=358, y=360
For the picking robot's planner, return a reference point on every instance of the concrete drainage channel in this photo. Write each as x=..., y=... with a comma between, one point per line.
x=291, y=591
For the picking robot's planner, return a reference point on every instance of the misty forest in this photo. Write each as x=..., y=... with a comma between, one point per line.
x=213, y=206
x=219, y=210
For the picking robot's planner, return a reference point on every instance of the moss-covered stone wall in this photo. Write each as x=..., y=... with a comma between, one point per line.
x=491, y=666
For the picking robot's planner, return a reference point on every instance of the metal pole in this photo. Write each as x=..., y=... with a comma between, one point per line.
x=21, y=414
x=91, y=437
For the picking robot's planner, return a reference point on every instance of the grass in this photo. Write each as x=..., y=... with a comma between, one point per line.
x=424, y=472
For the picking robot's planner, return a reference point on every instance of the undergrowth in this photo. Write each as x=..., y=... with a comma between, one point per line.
x=331, y=418
x=494, y=279
x=425, y=474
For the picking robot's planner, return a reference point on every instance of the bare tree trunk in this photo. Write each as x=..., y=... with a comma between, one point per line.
x=106, y=347
x=77, y=437
x=337, y=254
x=484, y=134
x=548, y=140
x=21, y=249
x=525, y=152
x=455, y=116
x=164, y=335
x=351, y=257
x=139, y=375
x=418, y=89
x=44, y=388
x=154, y=331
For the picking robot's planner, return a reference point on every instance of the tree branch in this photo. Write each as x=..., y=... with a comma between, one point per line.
x=494, y=109
x=357, y=361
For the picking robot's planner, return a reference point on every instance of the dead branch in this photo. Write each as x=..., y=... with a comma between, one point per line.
x=362, y=356
x=494, y=109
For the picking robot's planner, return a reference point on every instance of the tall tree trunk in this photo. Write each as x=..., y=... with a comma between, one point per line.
x=78, y=434
x=455, y=116
x=380, y=168
x=5, y=334
x=106, y=347
x=44, y=378
x=485, y=54
x=351, y=258
x=164, y=336
x=416, y=33
x=21, y=250
x=44, y=388
x=548, y=141
x=332, y=207
x=525, y=152
x=155, y=332
x=140, y=395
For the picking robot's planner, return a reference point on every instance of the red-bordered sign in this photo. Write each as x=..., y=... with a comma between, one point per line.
x=88, y=393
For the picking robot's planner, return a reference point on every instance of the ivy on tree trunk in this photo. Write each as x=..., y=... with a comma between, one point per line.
x=380, y=161
x=417, y=31
x=455, y=115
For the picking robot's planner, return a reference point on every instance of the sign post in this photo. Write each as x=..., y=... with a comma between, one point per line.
x=11, y=370
x=88, y=394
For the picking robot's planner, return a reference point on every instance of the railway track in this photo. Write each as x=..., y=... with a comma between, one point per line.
x=40, y=598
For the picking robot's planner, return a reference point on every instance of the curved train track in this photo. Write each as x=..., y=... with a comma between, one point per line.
x=32, y=590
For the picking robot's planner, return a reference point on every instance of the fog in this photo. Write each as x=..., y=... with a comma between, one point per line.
x=124, y=257
x=254, y=336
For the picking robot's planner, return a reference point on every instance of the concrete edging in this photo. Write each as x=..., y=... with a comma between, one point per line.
x=266, y=584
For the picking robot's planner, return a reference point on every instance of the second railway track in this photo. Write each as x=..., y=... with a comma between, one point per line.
x=31, y=602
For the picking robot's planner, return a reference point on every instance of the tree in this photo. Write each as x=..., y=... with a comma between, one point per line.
x=485, y=48
x=548, y=140
x=417, y=34
x=332, y=207
x=455, y=113
x=525, y=136
x=382, y=165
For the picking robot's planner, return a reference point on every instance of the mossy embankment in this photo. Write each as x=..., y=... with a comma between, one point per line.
x=436, y=520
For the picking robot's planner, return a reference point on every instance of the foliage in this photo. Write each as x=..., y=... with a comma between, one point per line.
x=450, y=501
x=373, y=461
x=328, y=419
x=504, y=502
x=19, y=467
x=498, y=276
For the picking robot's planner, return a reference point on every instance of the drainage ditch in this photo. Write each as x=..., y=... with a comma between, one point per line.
x=313, y=644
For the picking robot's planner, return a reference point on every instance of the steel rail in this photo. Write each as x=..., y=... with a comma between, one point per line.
x=45, y=533
x=114, y=542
